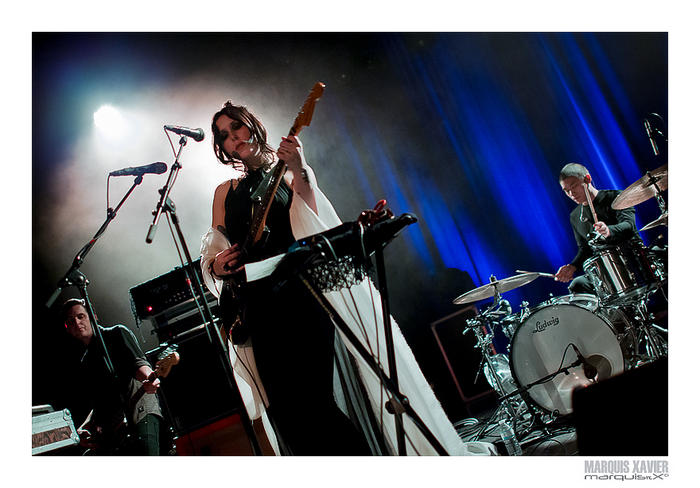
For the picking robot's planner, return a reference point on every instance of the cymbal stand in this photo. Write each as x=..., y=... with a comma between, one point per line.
x=482, y=327
x=657, y=194
x=655, y=345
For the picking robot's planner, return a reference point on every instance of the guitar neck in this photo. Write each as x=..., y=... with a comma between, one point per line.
x=262, y=208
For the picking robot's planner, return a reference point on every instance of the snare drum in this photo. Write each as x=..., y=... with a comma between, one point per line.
x=623, y=274
x=541, y=346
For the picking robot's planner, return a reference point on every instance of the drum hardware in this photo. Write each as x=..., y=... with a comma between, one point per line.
x=647, y=336
x=640, y=338
x=482, y=326
x=496, y=375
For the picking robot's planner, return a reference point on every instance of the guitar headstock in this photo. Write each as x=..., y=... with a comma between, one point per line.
x=166, y=360
x=307, y=110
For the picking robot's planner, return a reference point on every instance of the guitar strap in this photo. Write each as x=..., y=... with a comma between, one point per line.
x=262, y=186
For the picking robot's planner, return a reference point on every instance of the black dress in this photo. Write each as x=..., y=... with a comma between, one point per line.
x=292, y=339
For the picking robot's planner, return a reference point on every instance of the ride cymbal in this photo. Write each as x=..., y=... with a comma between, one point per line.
x=643, y=189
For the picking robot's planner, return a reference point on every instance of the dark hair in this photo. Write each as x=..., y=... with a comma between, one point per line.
x=572, y=169
x=257, y=131
x=67, y=305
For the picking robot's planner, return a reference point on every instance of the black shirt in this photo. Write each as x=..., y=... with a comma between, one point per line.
x=107, y=396
x=620, y=222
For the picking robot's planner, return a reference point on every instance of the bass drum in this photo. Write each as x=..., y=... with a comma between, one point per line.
x=585, y=300
x=542, y=344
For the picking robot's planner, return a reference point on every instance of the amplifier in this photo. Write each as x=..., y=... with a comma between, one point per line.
x=168, y=302
x=163, y=292
x=52, y=430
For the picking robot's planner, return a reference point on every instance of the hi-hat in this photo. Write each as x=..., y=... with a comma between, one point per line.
x=663, y=220
x=489, y=290
x=643, y=189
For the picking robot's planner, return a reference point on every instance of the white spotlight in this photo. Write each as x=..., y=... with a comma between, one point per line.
x=110, y=121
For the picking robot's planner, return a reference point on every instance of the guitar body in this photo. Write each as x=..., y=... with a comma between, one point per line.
x=113, y=436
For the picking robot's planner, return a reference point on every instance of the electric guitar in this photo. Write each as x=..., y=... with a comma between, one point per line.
x=166, y=360
x=229, y=305
x=115, y=436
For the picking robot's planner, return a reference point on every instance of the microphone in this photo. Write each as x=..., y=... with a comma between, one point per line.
x=155, y=168
x=196, y=134
x=647, y=127
x=589, y=370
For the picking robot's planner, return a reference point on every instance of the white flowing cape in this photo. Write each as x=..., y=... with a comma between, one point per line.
x=368, y=326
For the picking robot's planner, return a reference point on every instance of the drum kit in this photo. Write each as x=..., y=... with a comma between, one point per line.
x=572, y=341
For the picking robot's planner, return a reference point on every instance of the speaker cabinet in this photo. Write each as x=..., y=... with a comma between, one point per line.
x=626, y=415
x=199, y=389
x=462, y=360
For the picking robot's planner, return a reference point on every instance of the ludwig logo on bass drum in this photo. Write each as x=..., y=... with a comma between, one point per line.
x=541, y=326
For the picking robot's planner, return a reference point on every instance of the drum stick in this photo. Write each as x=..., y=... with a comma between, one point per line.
x=546, y=275
x=590, y=203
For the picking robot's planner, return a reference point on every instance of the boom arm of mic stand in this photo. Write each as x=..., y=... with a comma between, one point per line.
x=165, y=192
x=80, y=257
x=545, y=379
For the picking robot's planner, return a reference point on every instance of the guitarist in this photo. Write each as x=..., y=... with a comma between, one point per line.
x=287, y=339
x=106, y=430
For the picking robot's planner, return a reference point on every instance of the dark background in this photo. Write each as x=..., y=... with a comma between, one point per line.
x=467, y=131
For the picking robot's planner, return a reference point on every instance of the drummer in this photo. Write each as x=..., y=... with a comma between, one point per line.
x=614, y=227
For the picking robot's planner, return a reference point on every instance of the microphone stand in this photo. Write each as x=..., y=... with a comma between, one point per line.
x=551, y=376
x=165, y=204
x=398, y=403
x=651, y=132
x=74, y=277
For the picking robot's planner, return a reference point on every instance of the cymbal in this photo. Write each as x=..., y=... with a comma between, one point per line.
x=663, y=220
x=642, y=189
x=489, y=290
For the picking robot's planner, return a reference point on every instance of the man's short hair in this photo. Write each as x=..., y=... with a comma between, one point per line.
x=572, y=169
x=70, y=303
